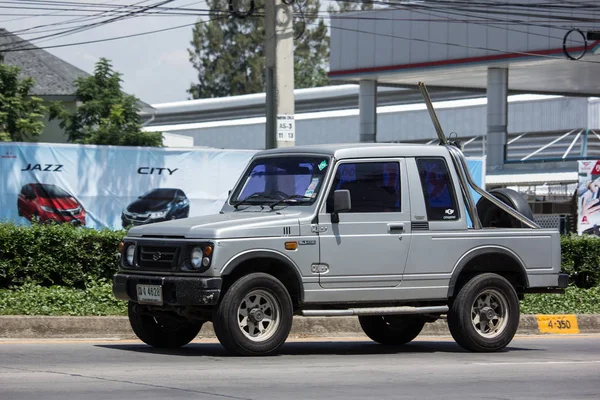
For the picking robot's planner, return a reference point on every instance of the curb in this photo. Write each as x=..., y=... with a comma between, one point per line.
x=26, y=327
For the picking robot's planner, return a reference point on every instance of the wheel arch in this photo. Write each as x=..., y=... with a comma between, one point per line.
x=482, y=259
x=268, y=261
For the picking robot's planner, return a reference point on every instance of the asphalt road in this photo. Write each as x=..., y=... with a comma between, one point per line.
x=550, y=367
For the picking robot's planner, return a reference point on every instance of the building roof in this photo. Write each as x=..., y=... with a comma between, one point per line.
x=327, y=98
x=53, y=76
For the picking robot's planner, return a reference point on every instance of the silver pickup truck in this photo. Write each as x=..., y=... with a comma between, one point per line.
x=387, y=232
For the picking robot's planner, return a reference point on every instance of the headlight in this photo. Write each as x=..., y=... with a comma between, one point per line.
x=158, y=214
x=196, y=257
x=48, y=209
x=130, y=253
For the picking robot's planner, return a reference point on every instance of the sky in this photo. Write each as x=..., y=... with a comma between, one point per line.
x=155, y=67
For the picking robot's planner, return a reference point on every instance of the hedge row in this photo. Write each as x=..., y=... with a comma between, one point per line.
x=56, y=254
x=98, y=299
x=67, y=256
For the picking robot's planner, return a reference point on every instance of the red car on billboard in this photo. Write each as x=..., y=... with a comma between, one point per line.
x=49, y=203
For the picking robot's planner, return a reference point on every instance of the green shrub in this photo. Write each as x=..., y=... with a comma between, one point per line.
x=581, y=259
x=573, y=301
x=32, y=299
x=56, y=254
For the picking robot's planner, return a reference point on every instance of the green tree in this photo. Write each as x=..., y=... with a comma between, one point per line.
x=228, y=52
x=106, y=116
x=21, y=115
x=348, y=6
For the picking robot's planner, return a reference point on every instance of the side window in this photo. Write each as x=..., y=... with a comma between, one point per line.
x=436, y=182
x=373, y=186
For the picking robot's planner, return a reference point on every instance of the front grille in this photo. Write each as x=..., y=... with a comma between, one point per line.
x=159, y=257
x=69, y=213
x=137, y=217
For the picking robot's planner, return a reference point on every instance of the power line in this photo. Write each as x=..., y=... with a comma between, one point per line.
x=93, y=25
x=112, y=38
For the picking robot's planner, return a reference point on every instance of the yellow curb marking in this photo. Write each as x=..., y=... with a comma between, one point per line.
x=561, y=324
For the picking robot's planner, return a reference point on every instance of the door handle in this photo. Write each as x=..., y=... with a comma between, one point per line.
x=395, y=228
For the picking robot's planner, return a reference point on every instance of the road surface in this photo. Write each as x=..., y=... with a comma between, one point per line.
x=539, y=367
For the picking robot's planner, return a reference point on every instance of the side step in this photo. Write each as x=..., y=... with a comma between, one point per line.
x=376, y=311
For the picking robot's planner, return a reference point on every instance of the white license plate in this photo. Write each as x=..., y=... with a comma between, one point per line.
x=149, y=294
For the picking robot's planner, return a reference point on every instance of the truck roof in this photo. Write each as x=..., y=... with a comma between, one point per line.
x=361, y=150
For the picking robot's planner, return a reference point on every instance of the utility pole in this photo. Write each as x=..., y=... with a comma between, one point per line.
x=279, y=52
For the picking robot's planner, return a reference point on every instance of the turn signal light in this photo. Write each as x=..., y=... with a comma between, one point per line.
x=208, y=251
x=121, y=247
x=291, y=245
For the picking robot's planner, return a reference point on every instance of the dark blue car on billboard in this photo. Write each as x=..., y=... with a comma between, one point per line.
x=156, y=205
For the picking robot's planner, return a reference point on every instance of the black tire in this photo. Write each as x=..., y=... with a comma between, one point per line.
x=391, y=330
x=242, y=295
x=462, y=323
x=492, y=216
x=159, y=334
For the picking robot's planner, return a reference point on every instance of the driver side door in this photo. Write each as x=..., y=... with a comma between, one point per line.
x=368, y=247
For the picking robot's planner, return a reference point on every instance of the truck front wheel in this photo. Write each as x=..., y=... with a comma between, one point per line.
x=484, y=317
x=160, y=332
x=254, y=316
x=392, y=330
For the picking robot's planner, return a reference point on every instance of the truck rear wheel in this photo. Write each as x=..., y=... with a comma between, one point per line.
x=160, y=332
x=484, y=317
x=255, y=316
x=394, y=330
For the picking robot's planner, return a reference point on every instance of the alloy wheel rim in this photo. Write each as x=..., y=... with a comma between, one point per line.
x=259, y=315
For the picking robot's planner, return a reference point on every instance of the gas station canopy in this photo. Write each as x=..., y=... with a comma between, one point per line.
x=448, y=47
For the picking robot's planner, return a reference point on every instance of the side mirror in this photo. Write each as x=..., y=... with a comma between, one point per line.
x=341, y=203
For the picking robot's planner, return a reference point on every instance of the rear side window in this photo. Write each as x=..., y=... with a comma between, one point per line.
x=440, y=199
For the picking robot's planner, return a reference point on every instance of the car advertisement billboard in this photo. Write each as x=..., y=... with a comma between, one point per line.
x=113, y=187
x=588, y=202
x=116, y=187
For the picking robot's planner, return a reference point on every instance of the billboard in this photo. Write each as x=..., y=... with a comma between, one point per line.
x=588, y=203
x=112, y=187
x=115, y=187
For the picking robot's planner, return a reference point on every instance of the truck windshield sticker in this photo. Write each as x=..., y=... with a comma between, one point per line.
x=323, y=165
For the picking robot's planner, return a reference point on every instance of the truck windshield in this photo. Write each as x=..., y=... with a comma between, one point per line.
x=290, y=180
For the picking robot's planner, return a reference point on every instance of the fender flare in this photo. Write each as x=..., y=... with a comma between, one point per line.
x=480, y=251
x=240, y=258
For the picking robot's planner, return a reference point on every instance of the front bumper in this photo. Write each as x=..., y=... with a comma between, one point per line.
x=176, y=290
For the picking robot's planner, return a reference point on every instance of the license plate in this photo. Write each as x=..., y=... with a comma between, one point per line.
x=149, y=294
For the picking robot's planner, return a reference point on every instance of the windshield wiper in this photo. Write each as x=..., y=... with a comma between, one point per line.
x=252, y=196
x=286, y=199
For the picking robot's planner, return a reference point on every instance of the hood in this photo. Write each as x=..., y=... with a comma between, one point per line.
x=142, y=206
x=240, y=224
x=60, y=203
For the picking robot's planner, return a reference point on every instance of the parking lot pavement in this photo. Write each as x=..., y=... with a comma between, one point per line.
x=532, y=367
